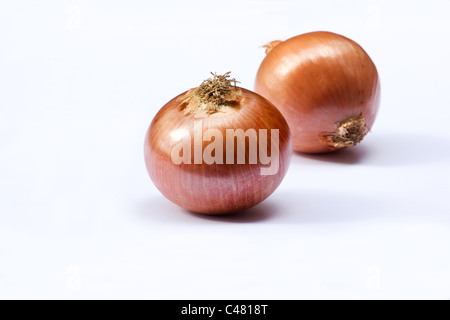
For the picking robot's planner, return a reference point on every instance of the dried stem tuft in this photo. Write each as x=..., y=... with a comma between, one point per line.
x=213, y=95
x=217, y=89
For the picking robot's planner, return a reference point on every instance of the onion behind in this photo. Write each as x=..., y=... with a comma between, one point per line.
x=326, y=86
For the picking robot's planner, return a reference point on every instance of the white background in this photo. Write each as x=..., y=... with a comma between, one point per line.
x=80, y=82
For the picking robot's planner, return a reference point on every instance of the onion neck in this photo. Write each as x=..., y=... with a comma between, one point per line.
x=272, y=44
x=213, y=95
x=348, y=133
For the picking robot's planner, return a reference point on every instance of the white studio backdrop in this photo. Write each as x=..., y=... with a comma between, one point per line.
x=80, y=82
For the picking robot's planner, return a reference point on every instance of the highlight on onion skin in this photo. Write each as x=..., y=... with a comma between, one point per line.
x=215, y=188
x=325, y=85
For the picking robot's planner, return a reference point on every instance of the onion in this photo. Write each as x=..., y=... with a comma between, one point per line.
x=218, y=148
x=325, y=85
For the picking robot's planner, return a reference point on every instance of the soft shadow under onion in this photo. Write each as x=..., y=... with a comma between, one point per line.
x=353, y=155
x=261, y=212
x=159, y=209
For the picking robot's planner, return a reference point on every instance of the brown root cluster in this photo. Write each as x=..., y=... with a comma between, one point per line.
x=348, y=133
x=213, y=95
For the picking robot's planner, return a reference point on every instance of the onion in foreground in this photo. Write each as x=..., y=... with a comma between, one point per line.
x=325, y=85
x=218, y=148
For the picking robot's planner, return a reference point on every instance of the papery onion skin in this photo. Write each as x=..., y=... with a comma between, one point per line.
x=318, y=81
x=215, y=188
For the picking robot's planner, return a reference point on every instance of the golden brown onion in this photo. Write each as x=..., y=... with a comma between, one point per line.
x=325, y=85
x=195, y=160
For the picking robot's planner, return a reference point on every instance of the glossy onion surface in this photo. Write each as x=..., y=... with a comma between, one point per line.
x=215, y=188
x=318, y=81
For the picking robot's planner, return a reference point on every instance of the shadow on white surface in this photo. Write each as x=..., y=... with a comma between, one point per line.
x=261, y=212
x=307, y=207
x=347, y=156
x=405, y=149
x=397, y=149
x=159, y=209
x=291, y=208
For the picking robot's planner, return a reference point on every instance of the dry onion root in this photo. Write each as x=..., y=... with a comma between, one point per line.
x=326, y=86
